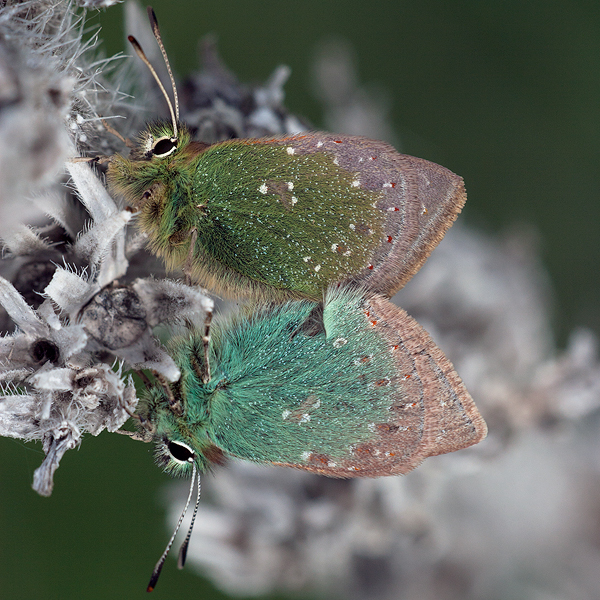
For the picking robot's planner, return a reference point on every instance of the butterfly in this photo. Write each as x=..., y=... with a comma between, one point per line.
x=325, y=375
x=350, y=387
x=284, y=217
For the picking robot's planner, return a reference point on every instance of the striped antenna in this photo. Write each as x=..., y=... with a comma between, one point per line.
x=161, y=560
x=138, y=50
x=156, y=32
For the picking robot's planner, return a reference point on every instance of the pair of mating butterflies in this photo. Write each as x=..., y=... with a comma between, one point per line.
x=323, y=373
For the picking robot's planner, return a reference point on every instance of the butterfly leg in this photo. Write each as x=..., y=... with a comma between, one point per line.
x=90, y=159
x=147, y=427
x=114, y=132
x=134, y=435
x=189, y=261
x=205, y=346
x=174, y=404
x=202, y=368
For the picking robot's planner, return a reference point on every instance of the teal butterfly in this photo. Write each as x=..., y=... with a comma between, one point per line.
x=352, y=387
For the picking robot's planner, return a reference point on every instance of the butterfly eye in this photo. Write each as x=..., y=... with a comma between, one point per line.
x=180, y=452
x=164, y=146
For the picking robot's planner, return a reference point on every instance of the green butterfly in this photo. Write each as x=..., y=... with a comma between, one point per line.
x=281, y=218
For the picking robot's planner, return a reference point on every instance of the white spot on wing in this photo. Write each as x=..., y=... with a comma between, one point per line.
x=263, y=189
x=319, y=144
x=294, y=200
x=305, y=418
x=356, y=183
x=290, y=150
x=305, y=456
x=317, y=268
x=285, y=414
x=290, y=185
x=306, y=258
x=334, y=247
x=340, y=342
x=352, y=226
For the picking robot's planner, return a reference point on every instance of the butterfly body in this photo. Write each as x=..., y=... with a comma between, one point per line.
x=286, y=217
x=368, y=395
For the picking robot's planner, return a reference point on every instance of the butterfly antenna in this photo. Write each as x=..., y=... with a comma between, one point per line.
x=184, y=547
x=161, y=560
x=156, y=32
x=140, y=53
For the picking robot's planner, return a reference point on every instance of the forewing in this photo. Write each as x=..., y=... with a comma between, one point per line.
x=370, y=396
x=286, y=219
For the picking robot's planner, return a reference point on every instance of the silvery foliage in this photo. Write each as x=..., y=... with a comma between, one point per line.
x=78, y=311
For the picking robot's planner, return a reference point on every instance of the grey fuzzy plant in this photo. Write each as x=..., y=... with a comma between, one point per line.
x=75, y=313
x=79, y=291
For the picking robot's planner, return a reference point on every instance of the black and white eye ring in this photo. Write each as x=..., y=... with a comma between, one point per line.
x=164, y=146
x=180, y=452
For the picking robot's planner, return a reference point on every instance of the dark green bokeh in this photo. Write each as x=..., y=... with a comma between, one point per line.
x=506, y=94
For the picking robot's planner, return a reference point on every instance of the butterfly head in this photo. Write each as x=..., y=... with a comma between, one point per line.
x=158, y=141
x=148, y=163
x=160, y=144
x=180, y=438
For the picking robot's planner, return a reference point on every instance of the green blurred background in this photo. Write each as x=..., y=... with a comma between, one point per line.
x=506, y=94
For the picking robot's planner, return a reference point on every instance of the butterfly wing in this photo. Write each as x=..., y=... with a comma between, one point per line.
x=302, y=212
x=432, y=414
x=419, y=200
x=280, y=219
x=370, y=395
